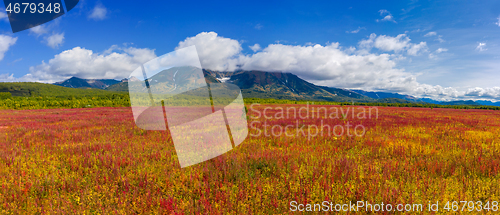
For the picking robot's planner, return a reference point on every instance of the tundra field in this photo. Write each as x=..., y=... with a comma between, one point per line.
x=97, y=161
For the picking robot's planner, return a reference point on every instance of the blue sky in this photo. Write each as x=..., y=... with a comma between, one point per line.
x=437, y=49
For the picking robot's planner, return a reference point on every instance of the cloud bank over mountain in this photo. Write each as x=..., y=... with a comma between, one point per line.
x=373, y=65
x=114, y=63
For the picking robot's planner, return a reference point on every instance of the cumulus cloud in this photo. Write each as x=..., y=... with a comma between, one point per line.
x=387, y=16
x=7, y=78
x=84, y=63
x=3, y=16
x=481, y=47
x=325, y=65
x=255, y=47
x=39, y=30
x=396, y=44
x=5, y=43
x=55, y=40
x=439, y=50
x=492, y=93
x=414, y=49
x=98, y=13
x=498, y=23
x=432, y=33
x=215, y=52
x=449, y=93
x=388, y=43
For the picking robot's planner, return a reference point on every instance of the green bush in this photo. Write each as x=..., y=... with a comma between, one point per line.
x=5, y=95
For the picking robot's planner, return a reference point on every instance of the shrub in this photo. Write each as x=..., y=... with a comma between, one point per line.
x=5, y=95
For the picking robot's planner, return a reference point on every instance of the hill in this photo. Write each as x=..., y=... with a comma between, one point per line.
x=75, y=82
x=384, y=95
x=430, y=101
x=461, y=102
x=259, y=84
x=120, y=87
x=30, y=89
x=490, y=103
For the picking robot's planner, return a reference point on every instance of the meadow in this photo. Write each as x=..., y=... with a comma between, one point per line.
x=96, y=161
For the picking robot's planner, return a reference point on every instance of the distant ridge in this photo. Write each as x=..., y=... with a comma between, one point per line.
x=460, y=102
x=484, y=102
x=75, y=82
x=277, y=85
x=384, y=95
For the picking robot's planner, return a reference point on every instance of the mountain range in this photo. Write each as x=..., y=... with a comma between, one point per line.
x=75, y=82
x=260, y=84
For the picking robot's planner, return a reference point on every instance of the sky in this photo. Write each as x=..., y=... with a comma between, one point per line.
x=444, y=50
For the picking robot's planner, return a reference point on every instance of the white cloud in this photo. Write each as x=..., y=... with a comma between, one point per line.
x=258, y=26
x=382, y=12
x=388, y=43
x=84, y=63
x=215, y=52
x=255, y=47
x=493, y=93
x=498, y=23
x=387, y=17
x=355, y=31
x=368, y=43
x=325, y=65
x=5, y=43
x=7, y=78
x=3, y=16
x=39, y=30
x=432, y=33
x=55, y=40
x=439, y=50
x=414, y=49
x=440, y=39
x=98, y=13
x=44, y=28
x=481, y=47
x=397, y=44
